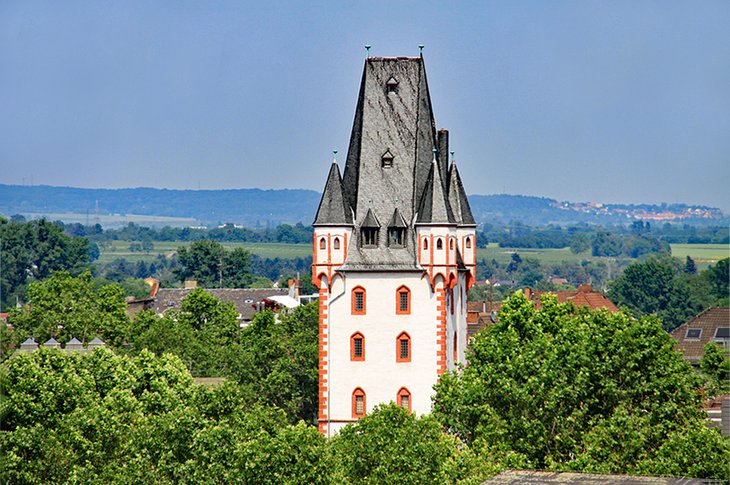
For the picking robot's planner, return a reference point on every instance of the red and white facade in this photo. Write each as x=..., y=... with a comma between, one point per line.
x=392, y=296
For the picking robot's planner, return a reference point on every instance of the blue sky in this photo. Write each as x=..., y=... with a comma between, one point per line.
x=582, y=101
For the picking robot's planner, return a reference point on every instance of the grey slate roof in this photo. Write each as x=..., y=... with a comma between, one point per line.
x=243, y=299
x=458, y=200
x=435, y=208
x=522, y=477
x=397, y=220
x=333, y=210
x=370, y=220
x=398, y=124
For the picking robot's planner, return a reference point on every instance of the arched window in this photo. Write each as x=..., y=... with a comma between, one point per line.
x=336, y=243
x=403, y=301
x=359, y=301
x=403, y=348
x=425, y=243
x=404, y=399
x=357, y=347
x=468, y=243
x=439, y=244
x=322, y=244
x=451, y=243
x=358, y=403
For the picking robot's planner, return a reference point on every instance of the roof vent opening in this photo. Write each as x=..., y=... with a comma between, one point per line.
x=391, y=86
x=386, y=161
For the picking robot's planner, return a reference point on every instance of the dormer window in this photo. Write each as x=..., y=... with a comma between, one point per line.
x=391, y=87
x=396, y=236
x=369, y=236
x=397, y=230
x=369, y=230
x=386, y=161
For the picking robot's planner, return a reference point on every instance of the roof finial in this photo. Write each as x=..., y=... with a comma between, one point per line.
x=367, y=51
x=434, y=154
x=334, y=156
x=420, y=49
x=452, y=157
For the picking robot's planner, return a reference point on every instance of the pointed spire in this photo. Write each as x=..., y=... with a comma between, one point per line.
x=333, y=209
x=457, y=197
x=434, y=207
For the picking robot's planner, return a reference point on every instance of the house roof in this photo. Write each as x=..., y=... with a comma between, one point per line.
x=708, y=326
x=245, y=300
x=520, y=477
x=585, y=296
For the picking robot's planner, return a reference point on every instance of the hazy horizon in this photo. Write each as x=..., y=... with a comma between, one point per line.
x=618, y=102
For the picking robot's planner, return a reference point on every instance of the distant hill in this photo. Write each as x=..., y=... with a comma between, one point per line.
x=256, y=208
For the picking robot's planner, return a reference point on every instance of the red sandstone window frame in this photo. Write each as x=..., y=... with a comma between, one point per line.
x=456, y=347
x=403, y=392
x=353, y=355
x=322, y=243
x=399, y=310
x=354, y=303
x=403, y=337
x=357, y=395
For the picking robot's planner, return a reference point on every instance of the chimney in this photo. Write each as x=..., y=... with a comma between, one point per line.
x=528, y=293
x=585, y=288
x=294, y=289
x=191, y=284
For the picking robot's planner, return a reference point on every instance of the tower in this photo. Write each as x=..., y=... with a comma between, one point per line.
x=394, y=253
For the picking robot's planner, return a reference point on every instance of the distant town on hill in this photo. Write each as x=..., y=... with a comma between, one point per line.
x=261, y=208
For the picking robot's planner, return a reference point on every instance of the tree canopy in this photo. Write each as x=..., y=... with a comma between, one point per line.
x=567, y=388
x=64, y=306
x=32, y=251
x=212, y=265
x=108, y=418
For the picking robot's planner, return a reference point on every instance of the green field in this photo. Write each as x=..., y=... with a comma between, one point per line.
x=112, y=220
x=701, y=253
x=120, y=249
x=546, y=256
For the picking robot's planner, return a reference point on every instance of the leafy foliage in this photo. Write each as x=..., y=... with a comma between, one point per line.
x=660, y=286
x=715, y=365
x=106, y=418
x=32, y=251
x=567, y=388
x=212, y=265
x=390, y=445
x=277, y=361
x=64, y=306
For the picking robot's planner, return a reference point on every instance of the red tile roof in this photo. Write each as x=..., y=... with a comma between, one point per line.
x=704, y=329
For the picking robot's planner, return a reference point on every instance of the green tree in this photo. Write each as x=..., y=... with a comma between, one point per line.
x=64, y=306
x=568, y=388
x=213, y=266
x=653, y=287
x=715, y=364
x=391, y=445
x=579, y=243
x=719, y=276
x=277, y=361
x=32, y=251
x=689, y=266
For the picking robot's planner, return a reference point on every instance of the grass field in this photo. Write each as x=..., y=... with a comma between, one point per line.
x=112, y=220
x=120, y=249
x=701, y=253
